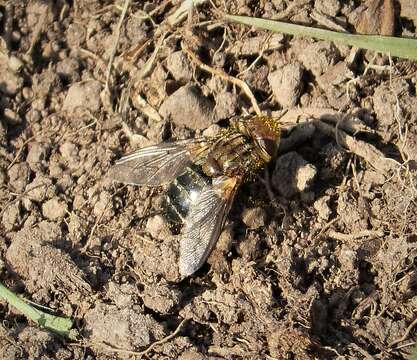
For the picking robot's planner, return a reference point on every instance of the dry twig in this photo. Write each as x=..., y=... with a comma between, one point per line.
x=220, y=73
x=116, y=43
x=370, y=234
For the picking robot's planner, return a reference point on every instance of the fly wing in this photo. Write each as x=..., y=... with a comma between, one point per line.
x=157, y=164
x=204, y=223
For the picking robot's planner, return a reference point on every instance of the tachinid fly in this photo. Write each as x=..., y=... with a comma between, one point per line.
x=204, y=175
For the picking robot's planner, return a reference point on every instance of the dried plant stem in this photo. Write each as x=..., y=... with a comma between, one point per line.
x=220, y=73
x=113, y=53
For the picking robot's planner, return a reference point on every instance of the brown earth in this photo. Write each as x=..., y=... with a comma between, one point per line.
x=317, y=260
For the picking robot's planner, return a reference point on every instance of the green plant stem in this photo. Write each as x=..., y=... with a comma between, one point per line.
x=56, y=324
x=395, y=46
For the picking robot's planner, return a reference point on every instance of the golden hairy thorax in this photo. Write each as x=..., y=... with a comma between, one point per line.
x=242, y=148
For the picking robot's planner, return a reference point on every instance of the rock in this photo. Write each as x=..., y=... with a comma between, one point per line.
x=322, y=207
x=126, y=328
x=292, y=174
x=254, y=218
x=188, y=107
x=122, y=295
x=85, y=95
x=180, y=67
x=54, y=209
x=286, y=84
x=19, y=176
x=55, y=169
x=385, y=100
x=27, y=93
x=40, y=188
x=64, y=182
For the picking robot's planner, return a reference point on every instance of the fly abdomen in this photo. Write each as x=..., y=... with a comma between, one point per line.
x=180, y=195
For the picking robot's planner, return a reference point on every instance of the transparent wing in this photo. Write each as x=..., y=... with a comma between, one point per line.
x=204, y=223
x=155, y=165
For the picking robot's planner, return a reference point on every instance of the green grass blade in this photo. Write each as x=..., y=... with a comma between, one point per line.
x=56, y=324
x=395, y=46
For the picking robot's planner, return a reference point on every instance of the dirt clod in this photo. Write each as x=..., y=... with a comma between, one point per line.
x=84, y=95
x=188, y=107
x=12, y=217
x=124, y=328
x=180, y=67
x=292, y=174
x=43, y=266
x=325, y=55
x=161, y=298
x=254, y=218
x=19, y=176
x=286, y=84
x=37, y=155
x=323, y=208
x=54, y=209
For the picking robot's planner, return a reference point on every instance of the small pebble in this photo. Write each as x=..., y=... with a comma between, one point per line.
x=104, y=203
x=69, y=152
x=15, y=64
x=16, y=36
x=83, y=95
x=27, y=93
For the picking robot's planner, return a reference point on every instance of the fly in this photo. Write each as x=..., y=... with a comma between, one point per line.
x=204, y=175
